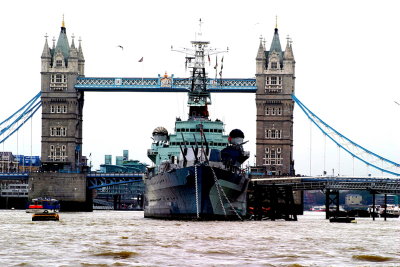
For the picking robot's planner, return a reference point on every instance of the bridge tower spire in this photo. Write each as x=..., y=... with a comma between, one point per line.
x=61, y=104
x=275, y=77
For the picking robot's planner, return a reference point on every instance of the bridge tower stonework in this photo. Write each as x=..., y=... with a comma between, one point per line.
x=275, y=79
x=62, y=105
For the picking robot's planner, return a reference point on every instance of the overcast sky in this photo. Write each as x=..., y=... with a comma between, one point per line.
x=347, y=65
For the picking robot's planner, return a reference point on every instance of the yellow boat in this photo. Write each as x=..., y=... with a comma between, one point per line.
x=45, y=217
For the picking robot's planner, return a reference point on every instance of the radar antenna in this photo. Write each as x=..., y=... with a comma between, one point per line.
x=198, y=97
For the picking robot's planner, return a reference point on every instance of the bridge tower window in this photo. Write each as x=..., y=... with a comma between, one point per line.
x=273, y=84
x=276, y=111
x=273, y=156
x=273, y=134
x=58, y=109
x=58, y=153
x=58, y=82
x=58, y=131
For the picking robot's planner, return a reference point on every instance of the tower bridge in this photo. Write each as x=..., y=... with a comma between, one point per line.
x=162, y=84
x=63, y=85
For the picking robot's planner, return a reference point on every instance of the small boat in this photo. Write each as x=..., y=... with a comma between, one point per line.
x=343, y=219
x=392, y=211
x=318, y=208
x=44, y=209
x=45, y=217
x=43, y=205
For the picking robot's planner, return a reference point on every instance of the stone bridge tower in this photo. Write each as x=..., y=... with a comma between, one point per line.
x=61, y=105
x=275, y=78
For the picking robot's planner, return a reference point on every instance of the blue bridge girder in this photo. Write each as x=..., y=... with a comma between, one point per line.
x=94, y=180
x=99, y=180
x=162, y=84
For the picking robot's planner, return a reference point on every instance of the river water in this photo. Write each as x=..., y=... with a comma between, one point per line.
x=125, y=238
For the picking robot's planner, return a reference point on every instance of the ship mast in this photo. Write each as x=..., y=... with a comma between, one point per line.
x=198, y=96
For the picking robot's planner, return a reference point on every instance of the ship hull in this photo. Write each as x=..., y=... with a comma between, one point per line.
x=172, y=195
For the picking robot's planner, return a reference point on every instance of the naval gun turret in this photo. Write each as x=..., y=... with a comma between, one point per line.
x=233, y=155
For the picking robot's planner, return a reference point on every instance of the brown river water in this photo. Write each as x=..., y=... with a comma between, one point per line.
x=125, y=238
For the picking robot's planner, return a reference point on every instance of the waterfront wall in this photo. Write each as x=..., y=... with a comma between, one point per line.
x=69, y=188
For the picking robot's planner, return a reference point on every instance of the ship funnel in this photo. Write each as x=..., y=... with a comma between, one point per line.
x=160, y=134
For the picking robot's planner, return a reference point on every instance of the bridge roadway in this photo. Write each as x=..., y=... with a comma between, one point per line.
x=382, y=185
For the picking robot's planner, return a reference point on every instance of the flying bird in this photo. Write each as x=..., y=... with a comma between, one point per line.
x=120, y=46
x=396, y=103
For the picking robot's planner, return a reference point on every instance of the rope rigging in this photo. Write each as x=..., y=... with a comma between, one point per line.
x=220, y=189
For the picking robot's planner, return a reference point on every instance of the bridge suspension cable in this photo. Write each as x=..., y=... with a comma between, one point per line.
x=13, y=123
x=355, y=150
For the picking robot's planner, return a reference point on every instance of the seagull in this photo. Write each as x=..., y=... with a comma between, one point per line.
x=120, y=46
x=397, y=103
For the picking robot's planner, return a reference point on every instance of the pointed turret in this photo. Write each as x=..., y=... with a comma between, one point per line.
x=80, y=52
x=276, y=43
x=73, y=56
x=54, y=44
x=288, y=58
x=260, y=59
x=73, y=42
x=62, y=42
x=288, y=50
x=46, y=49
x=275, y=52
x=260, y=52
x=81, y=59
x=46, y=56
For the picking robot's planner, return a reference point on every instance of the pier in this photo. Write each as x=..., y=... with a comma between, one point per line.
x=270, y=189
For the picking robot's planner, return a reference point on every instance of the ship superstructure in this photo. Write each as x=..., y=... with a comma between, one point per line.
x=197, y=172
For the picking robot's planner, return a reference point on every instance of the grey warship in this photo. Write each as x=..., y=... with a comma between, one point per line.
x=197, y=172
